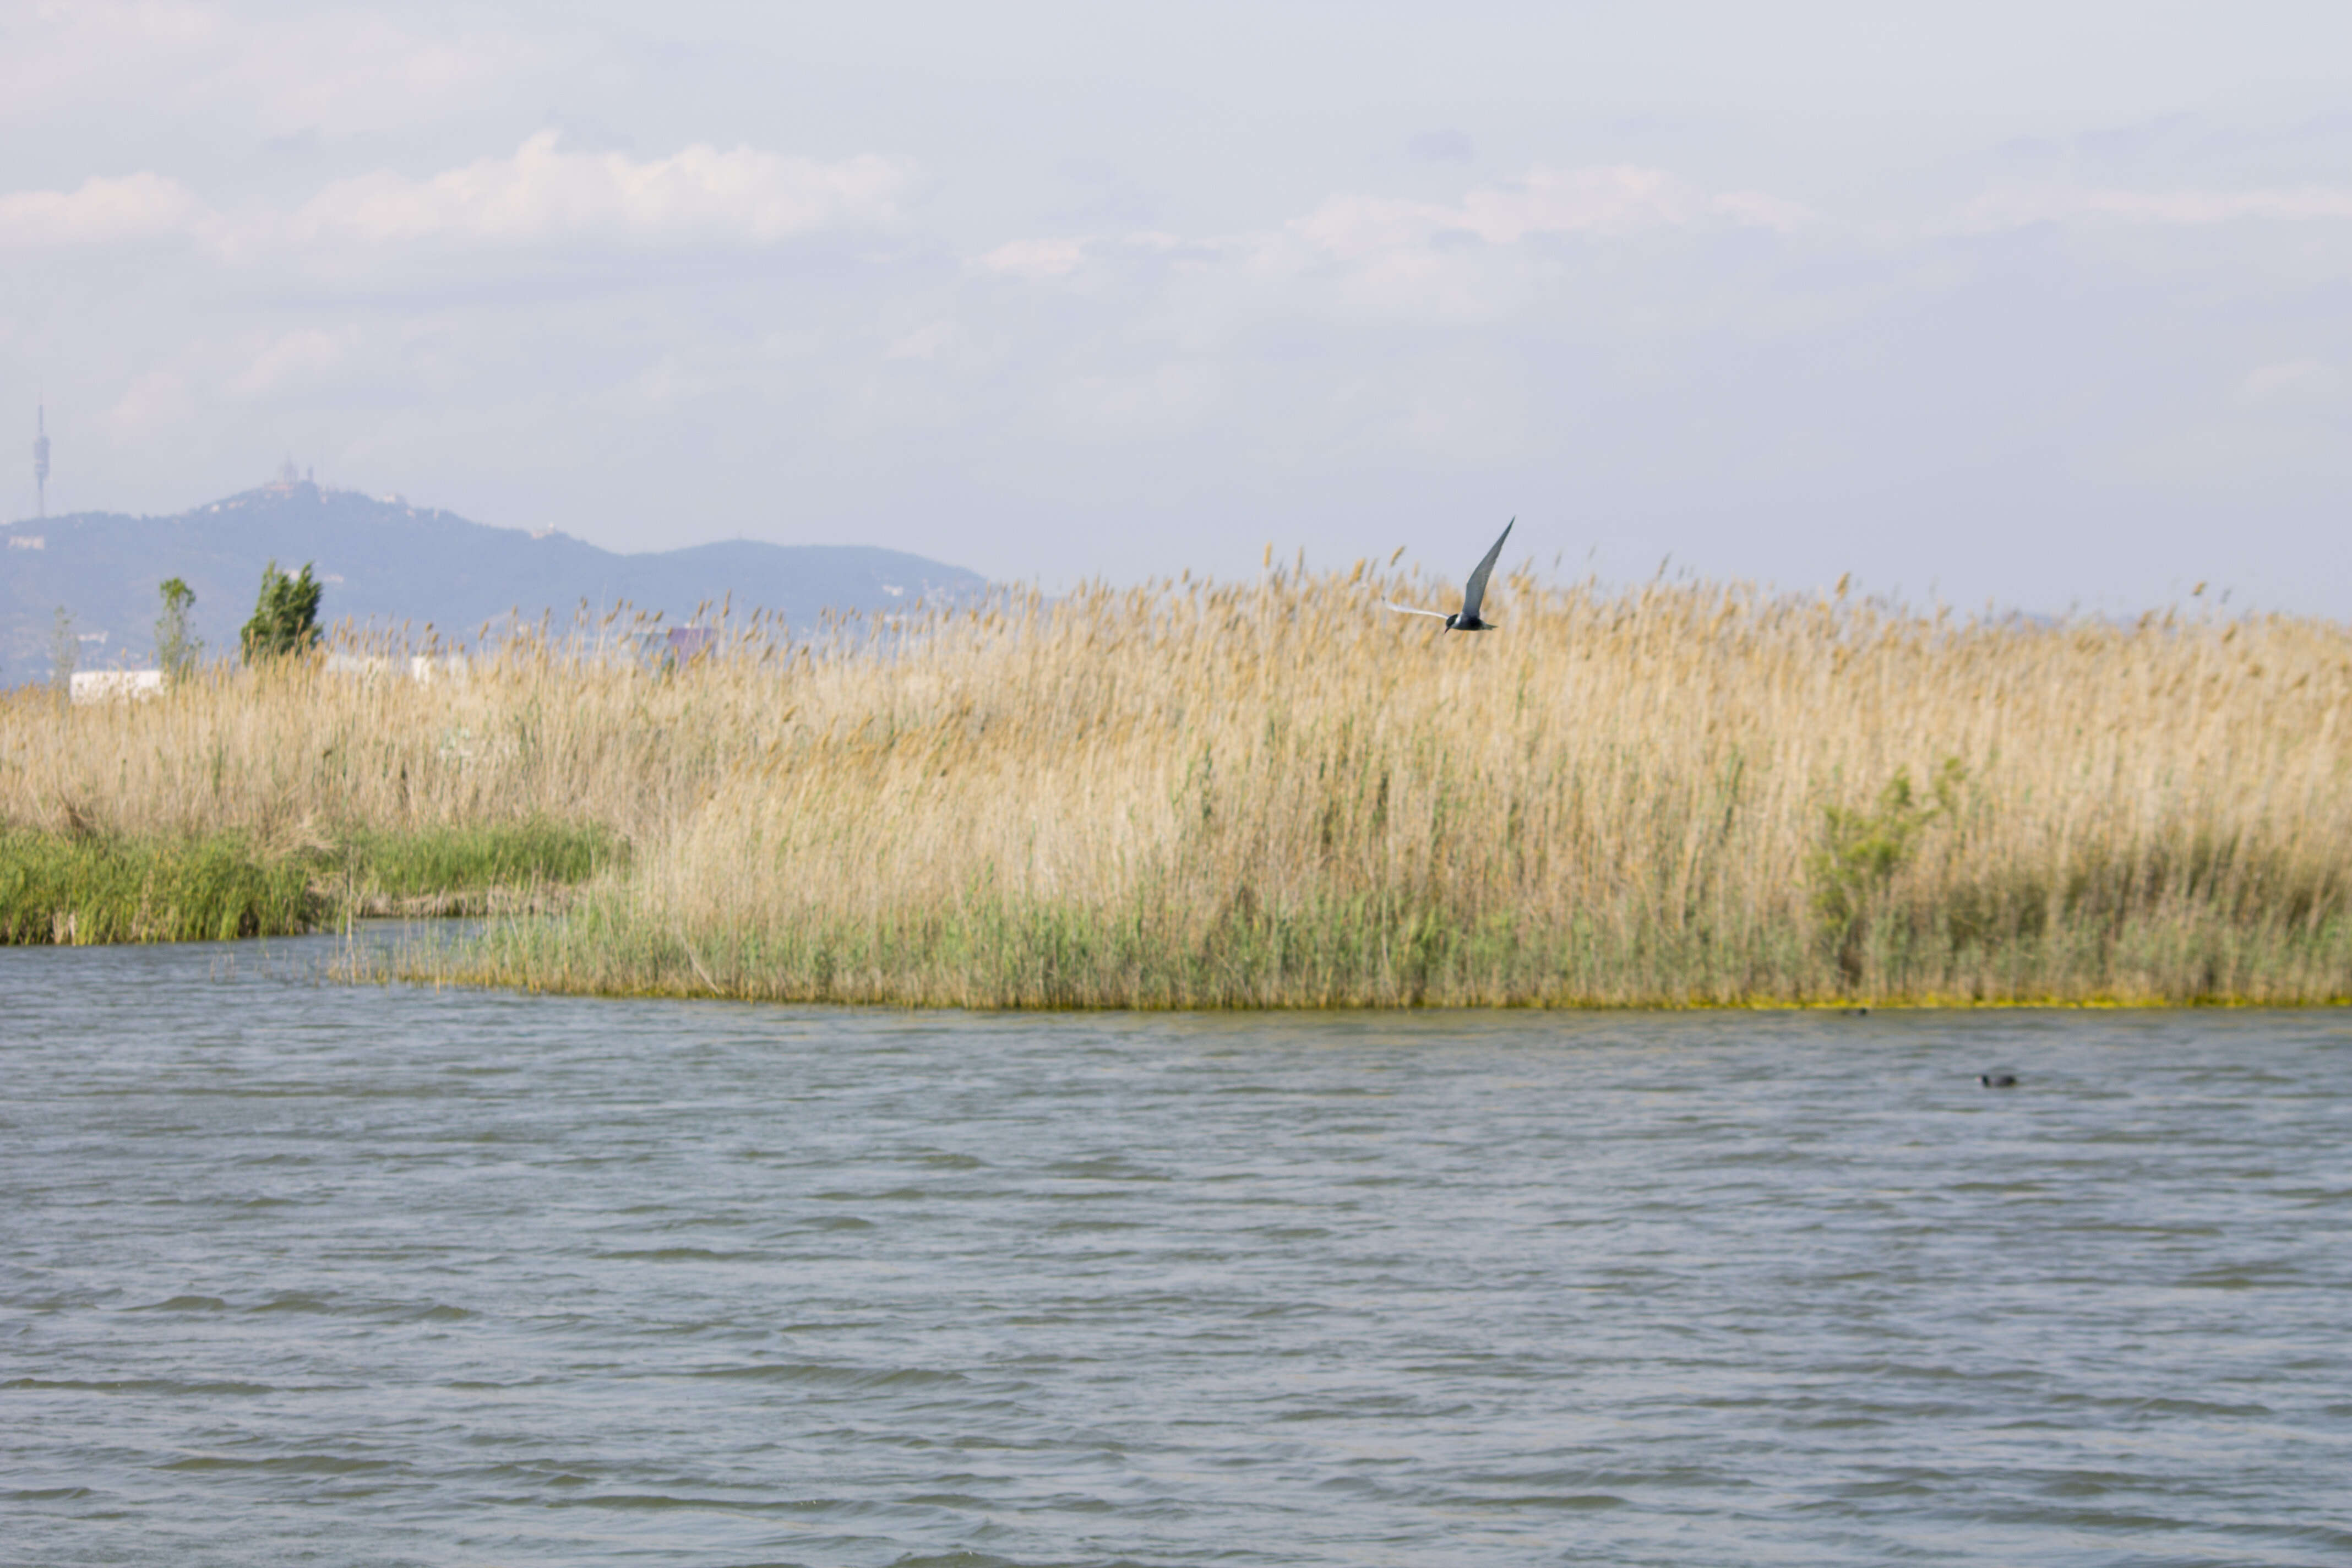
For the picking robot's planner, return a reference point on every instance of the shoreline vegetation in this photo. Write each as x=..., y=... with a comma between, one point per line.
x=79, y=886
x=1265, y=794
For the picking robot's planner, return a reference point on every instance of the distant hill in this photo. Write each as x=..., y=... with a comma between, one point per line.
x=386, y=563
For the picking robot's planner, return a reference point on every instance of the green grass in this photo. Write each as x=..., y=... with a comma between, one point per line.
x=988, y=952
x=452, y=863
x=66, y=888
x=84, y=887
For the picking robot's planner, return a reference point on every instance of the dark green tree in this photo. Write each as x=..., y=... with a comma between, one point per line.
x=286, y=617
x=176, y=649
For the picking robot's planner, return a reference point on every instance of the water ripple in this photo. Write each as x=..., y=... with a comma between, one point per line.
x=299, y=1273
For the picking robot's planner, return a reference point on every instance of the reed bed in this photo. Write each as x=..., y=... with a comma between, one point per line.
x=1275, y=795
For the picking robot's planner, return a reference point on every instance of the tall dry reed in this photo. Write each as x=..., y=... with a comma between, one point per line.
x=1276, y=793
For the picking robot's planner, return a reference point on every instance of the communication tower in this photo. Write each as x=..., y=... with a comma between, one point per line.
x=41, y=456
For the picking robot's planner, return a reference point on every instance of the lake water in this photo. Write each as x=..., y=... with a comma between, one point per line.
x=296, y=1273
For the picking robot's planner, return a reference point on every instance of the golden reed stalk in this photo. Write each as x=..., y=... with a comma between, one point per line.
x=1278, y=794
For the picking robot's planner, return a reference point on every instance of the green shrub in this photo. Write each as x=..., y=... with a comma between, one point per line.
x=84, y=888
x=1861, y=851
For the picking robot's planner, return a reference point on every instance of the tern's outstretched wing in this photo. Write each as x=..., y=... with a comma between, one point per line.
x=1476, y=593
x=1409, y=610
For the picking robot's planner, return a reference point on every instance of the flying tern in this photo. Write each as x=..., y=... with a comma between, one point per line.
x=1466, y=618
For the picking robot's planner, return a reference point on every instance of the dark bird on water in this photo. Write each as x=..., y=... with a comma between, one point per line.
x=1466, y=618
x=1997, y=1079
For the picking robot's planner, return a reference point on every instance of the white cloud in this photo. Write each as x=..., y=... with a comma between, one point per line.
x=1165, y=398
x=342, y=72
x=2222, y=206
x=1481, y=259
x=156, y=401
x=1385, y=256
x=2292, y=380
x=333, y=68
x=1605, y=203
x=142, y=206
x=2016, y=207
x=543, y=194
x=60, y=49
x=1036, y=260
x=293, y=359
x=1046, y=259
x=668, y=380
x=924, y=343
x=1445, y=146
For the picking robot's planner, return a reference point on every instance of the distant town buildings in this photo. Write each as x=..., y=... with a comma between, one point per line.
x=88, y=686
x=426, y=670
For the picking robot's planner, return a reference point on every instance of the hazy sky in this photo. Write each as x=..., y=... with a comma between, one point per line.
x=2044, y=303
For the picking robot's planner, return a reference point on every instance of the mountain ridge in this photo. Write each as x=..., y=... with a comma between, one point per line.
x=385, y=563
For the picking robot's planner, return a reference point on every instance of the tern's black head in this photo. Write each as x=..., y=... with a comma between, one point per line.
x=1997, y=1079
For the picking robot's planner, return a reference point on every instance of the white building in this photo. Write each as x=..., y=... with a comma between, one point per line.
x=449, y=668
x=116, y=685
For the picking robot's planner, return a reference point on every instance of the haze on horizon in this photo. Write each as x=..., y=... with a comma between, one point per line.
x=2038, y=304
